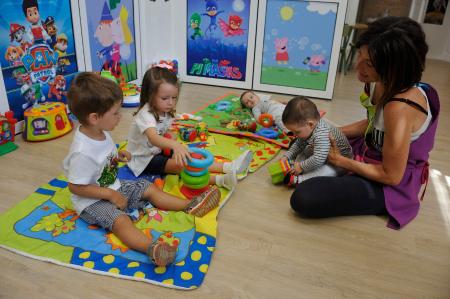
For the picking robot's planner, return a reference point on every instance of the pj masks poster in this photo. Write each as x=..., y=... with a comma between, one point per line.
x=217, y=38
x=38, y=51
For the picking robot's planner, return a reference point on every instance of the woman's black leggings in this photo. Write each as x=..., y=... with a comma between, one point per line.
x=347, y=195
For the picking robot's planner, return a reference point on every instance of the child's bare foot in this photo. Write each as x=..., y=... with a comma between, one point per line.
x=205, y=202
x=161, y=253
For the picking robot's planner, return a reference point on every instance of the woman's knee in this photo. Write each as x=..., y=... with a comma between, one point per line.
x=303, y=202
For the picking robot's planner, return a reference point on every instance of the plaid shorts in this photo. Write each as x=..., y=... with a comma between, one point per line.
x=103, y=213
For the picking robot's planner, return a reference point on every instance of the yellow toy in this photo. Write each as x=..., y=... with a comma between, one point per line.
x=46, y=121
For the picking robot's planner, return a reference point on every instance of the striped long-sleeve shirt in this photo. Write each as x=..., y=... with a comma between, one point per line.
x=317, y=146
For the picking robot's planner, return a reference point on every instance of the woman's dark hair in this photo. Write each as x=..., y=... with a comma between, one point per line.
x=299, y=110
x=397, y=50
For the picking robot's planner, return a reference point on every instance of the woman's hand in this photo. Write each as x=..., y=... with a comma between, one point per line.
x=181, y=154
x=334, y=154
x=124, y=156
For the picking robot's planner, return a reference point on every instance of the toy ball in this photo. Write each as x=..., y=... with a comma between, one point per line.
x=266, y=120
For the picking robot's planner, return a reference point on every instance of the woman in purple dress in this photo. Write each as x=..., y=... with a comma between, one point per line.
x=391, y=146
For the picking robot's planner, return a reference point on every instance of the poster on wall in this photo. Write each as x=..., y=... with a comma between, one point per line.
x=298, y=46
x=109, y=29
x=220, y=42
x=435, y=12
x=39, y=57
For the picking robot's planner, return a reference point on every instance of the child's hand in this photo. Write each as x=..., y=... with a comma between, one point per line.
x=283, y=158
x=297, y=168
x=181, y=154
x=124, y=156
x=118, y=200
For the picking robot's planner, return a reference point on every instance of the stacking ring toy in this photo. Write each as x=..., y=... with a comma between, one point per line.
x=223, y=106
x=267, y=133
x=207, y=160
x=266, y=120
x=195, y=182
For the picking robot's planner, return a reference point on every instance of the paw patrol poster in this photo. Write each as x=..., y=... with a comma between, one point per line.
x=110, y=27
x=298, y=41
x=217, y=39
x=38, y=51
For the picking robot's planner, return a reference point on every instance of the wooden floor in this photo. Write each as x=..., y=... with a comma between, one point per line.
x=263, y=249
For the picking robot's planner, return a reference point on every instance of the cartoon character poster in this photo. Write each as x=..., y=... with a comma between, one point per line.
x=298, y=41
x=39, y=59
x=217, y=38
x=111, y=37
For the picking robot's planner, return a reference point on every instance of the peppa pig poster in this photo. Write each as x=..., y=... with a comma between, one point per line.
x=298, y=45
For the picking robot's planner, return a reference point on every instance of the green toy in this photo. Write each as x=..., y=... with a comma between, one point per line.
x=279, y=170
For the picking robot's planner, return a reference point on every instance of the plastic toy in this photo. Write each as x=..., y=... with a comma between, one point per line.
x=7, y=132
x=7, y=127
x=196, y=175
x=247, y=126
x=187, y=116
x=279, y=170
x=268, y=133
x=131, y=94
x=223, y=106
x=167, y=151
x=202, y=131
x=108, y=75
x=266, y=120
x=46, y=121
x=188, y=134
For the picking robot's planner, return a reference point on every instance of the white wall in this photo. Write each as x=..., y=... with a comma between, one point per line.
x=352, y=11
x=438, y=36
x=156, y=31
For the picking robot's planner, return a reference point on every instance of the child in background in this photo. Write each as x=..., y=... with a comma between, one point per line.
x=310, y=149
x=91, y=168
x=159, y=94
x=261, y=104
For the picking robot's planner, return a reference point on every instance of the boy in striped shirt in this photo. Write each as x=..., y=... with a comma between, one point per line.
x=310, y=149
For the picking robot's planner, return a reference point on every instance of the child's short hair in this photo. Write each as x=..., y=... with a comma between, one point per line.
x=242, y=96
x=299, y=110
x=153, y=78
x=92, y=93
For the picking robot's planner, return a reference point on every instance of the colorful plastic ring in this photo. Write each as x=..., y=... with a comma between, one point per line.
x=203, y=163
x=267, y=133
x=266, y=120
x=197, y=173
x=194, y=181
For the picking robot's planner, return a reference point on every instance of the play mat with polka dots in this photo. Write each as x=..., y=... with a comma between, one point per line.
x=44, y=226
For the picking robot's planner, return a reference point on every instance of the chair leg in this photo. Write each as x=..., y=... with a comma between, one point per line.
x=349, y=61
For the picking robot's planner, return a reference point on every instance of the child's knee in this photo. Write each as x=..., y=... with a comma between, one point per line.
x=121, y=221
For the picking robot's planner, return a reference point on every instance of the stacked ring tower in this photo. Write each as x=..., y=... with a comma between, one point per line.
x=195, y=176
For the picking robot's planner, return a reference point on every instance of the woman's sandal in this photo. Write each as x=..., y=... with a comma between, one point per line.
x=205, y=202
